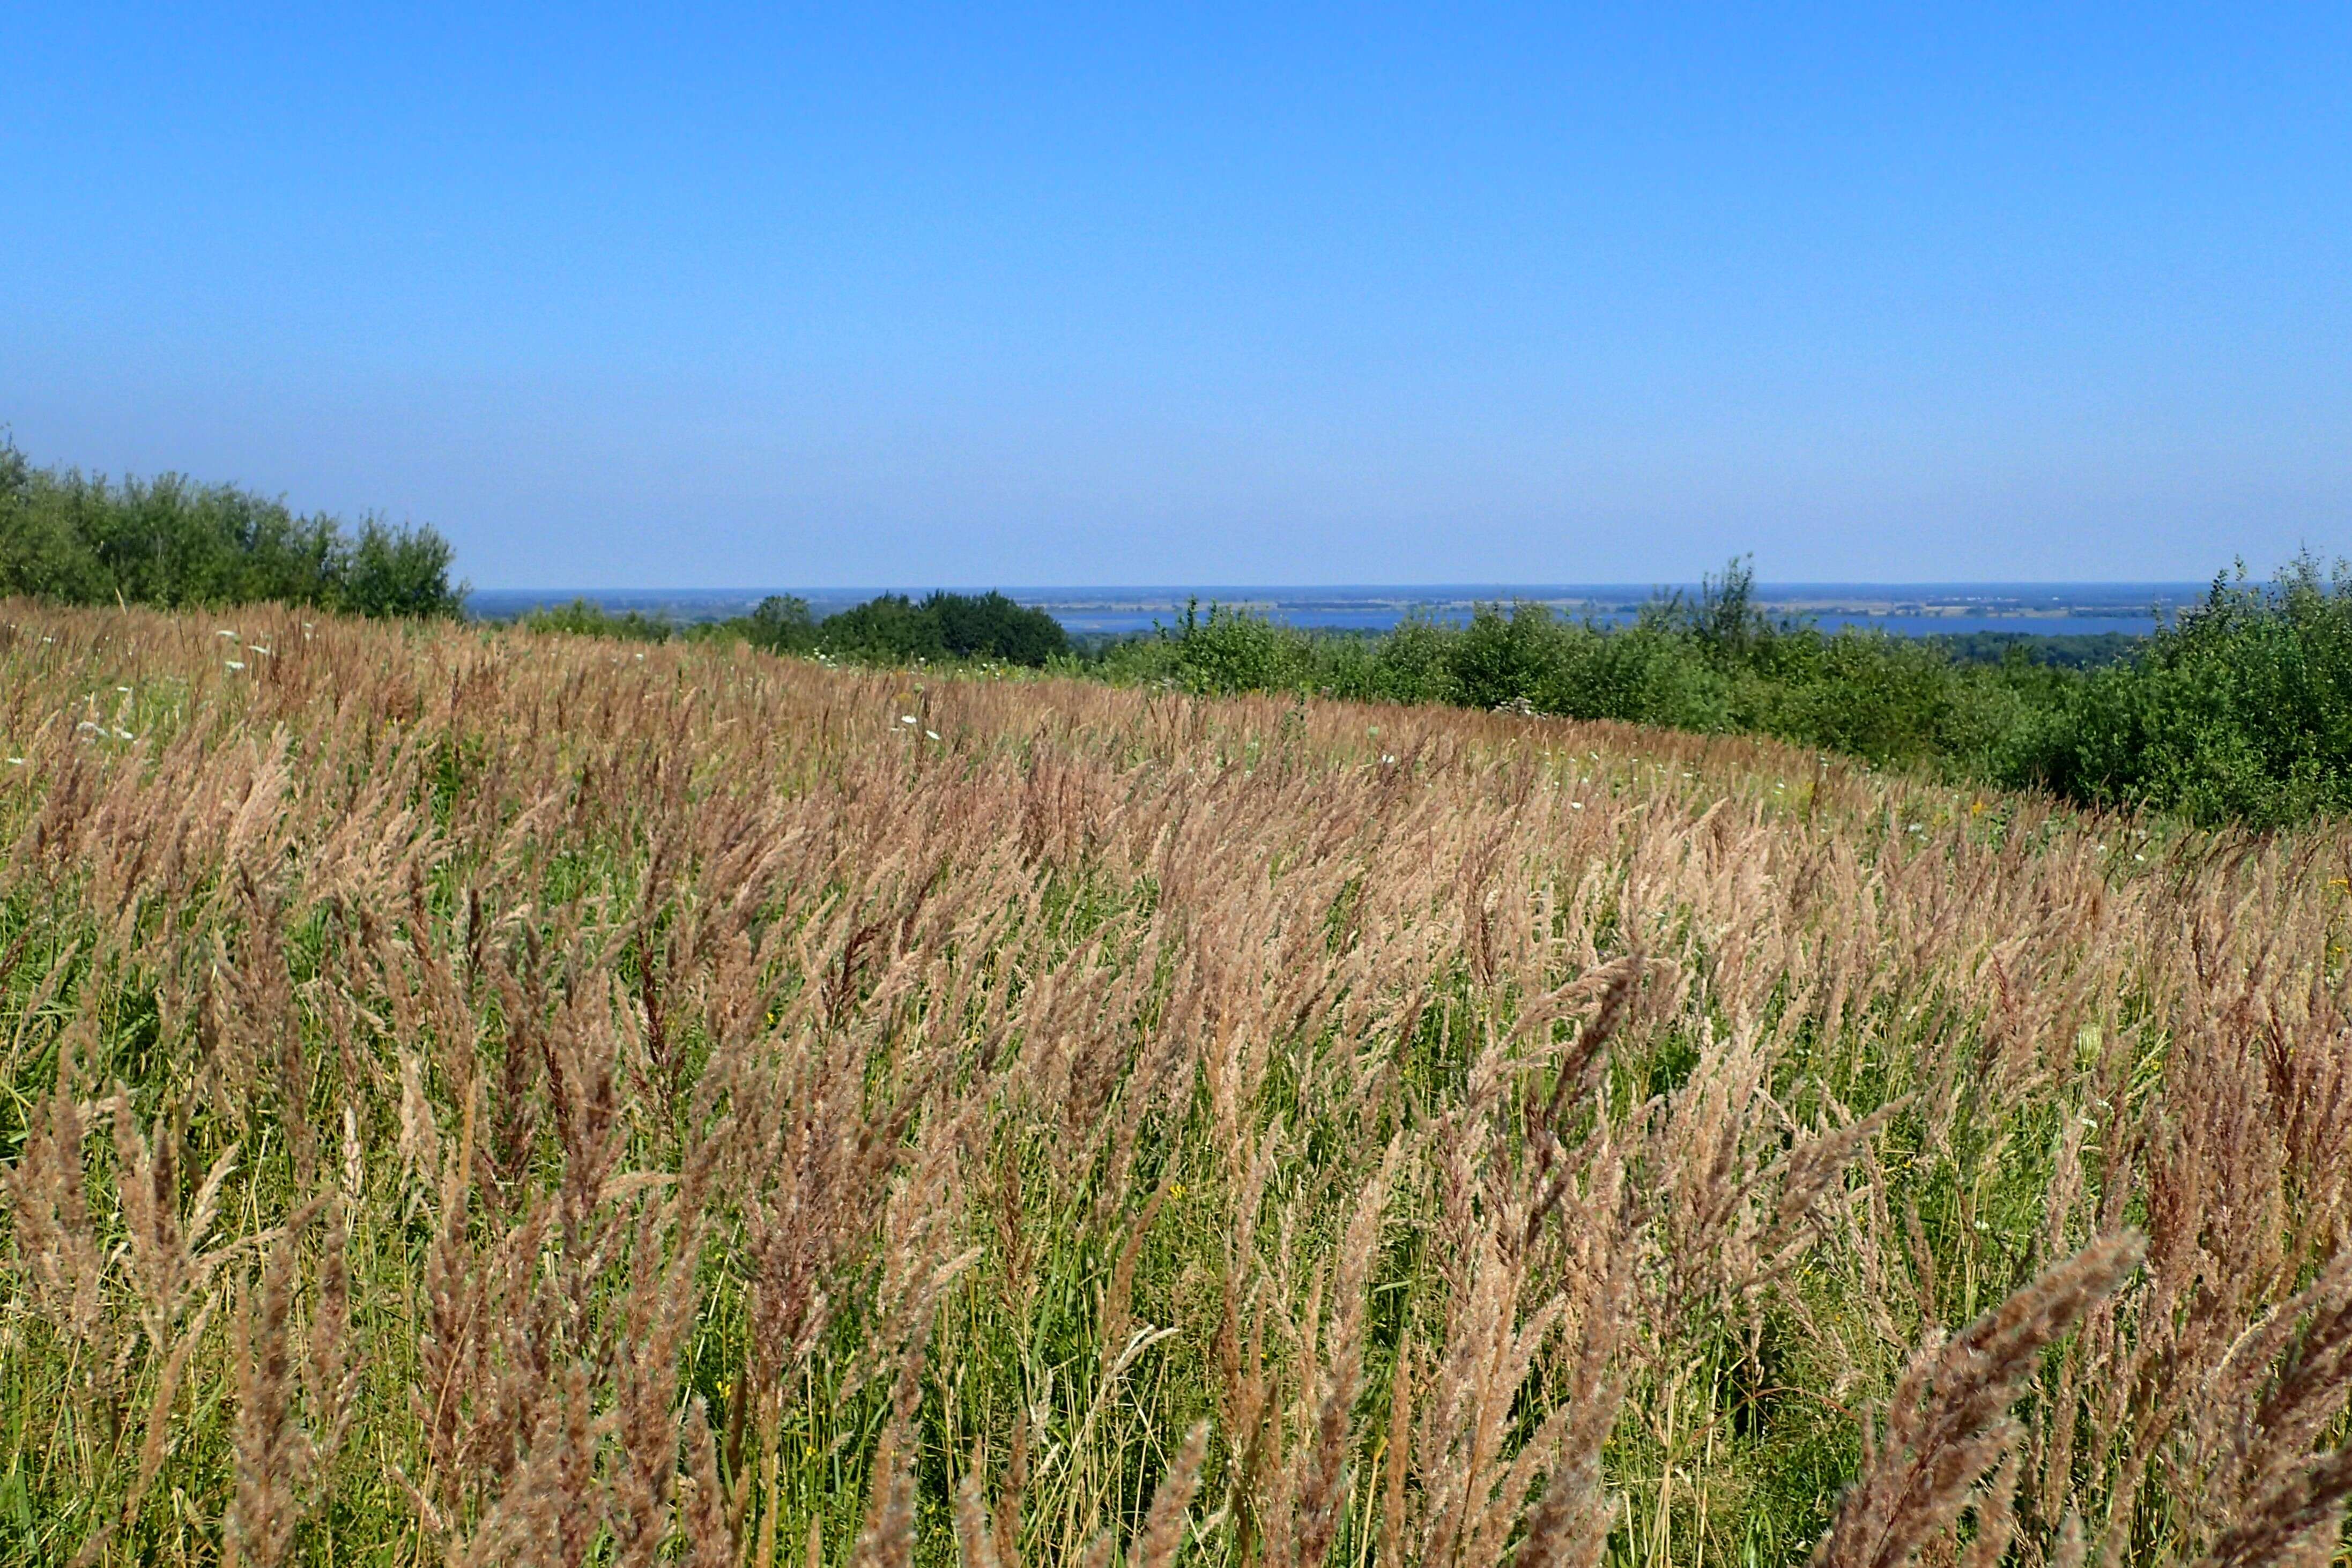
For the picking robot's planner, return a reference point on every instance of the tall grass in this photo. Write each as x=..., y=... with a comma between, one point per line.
x=482, y=1098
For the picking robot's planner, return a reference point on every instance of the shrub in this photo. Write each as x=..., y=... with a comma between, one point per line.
x=889, y=627
x=781, y=624
x=171, y=541
x=1230, y=650
x=395, y=571
x=2243, y=709
x=894, y=629
x=991, y=626
x=1413, y=664
x=585, y=618
x=1502, y=660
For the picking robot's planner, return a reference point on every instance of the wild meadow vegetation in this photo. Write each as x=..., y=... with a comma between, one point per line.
x=2238, y=710
x=2241, y=710
x=479, y=1097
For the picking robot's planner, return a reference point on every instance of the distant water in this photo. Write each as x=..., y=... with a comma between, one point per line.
x=2052, y=609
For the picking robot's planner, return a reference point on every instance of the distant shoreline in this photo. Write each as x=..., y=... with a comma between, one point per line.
x=2041, y=609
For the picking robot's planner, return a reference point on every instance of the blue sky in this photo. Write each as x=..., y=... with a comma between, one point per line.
x=664, y=296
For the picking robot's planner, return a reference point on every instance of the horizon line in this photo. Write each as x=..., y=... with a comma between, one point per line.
x=2111, y=584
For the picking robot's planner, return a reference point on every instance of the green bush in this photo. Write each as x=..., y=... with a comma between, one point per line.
x=2072, y=650
x=172, y=542
x=781, y=624
x=396, y=571
x=1504, y=660
x=2242, y=710
x=1413, y=664
x=895, y=629
x=991, y=626
x=889, y=628
x=1230, y=650
x=585, y=618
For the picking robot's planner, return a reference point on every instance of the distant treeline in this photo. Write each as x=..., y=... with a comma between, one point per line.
x=892, y=628
x=170, y=542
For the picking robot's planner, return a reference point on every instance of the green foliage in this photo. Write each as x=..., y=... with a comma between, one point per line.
x=1502, y=660
x=170, y=542
x=898, y=629
x=396, y=571
x=888, y=628
x=585, y=618
x=2243, y=710
x=991, y=626
x=894, y=629
x=1230, y=650
x=2079, y=651
x=781, y=624
x=1413, y=661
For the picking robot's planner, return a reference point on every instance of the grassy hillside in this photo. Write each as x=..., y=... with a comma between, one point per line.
x=2238, y=710
x=475, y=1097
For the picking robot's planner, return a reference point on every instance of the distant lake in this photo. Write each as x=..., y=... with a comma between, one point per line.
x=2049, y=609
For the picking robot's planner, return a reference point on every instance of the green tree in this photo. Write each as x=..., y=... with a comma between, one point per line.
x=172, y=542
x=992, y=626
x=781, y=624
x=1230, y=650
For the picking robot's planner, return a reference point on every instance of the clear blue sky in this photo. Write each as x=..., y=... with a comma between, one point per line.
x=663, y=296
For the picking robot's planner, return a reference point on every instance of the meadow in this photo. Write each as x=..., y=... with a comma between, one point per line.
x=477, y=1097
x=2239, y=711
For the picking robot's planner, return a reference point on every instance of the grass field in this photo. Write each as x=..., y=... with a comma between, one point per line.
x=477, y=1097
